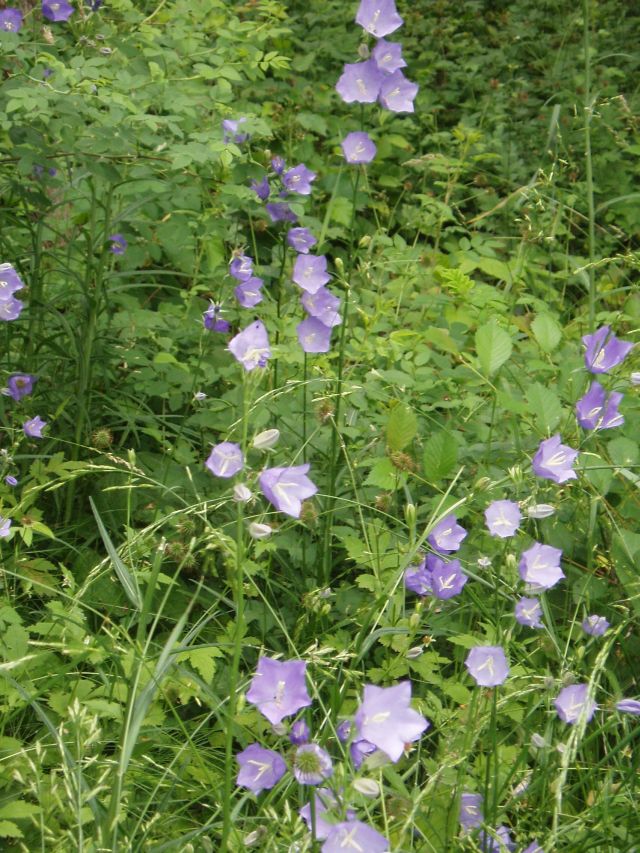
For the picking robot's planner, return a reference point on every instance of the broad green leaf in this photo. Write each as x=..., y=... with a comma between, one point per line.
x=8, y=829
x=402, y=427
x=544, y=405
x=495, y=268
x=547, y=332
x=440, y=456
x=623, y=451
x=18, y=809
x=383, y=475
x=493, y=346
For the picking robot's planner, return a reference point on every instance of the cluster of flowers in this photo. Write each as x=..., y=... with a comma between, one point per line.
x=471, y=817
x=53, y=10
x=10, y=283
x=383, y=722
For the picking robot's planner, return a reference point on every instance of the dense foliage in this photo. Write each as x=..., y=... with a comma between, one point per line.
x=319, y=461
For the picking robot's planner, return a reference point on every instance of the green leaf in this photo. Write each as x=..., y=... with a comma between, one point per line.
x=544, y=405
x=383, y=475
x=202, y=659
x=625, y=553
x=495, y=268
x=493, y=346
x=8, y=829
x=402, y=427
x=546, y=331
x=18, y=809
x=623, y=451
x=440, y=456
x=127, y=579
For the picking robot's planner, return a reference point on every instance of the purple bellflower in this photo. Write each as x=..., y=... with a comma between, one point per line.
x=225, y=460
x=378, y=17
x=397, y=93
x=5, y=525
x=311, y=764
x=118, y=244
x=447, y=578
x=540, y=566
x=488, y=665
x=251, y=346
x=418, y=579
x=279, y=688
x=33, y=427
x=298, y=180
x=470, y=811
x=310, y=272
x=212, y=320
x=278, y=165
x=301, y=239
x=594, y=625
x=322, y=305
x=286, y=488
x=358, y=148
x=10, y=20
x=534, y=847
x=260, y=769
x=628, y=706
x=230, y=128
x=354, y=835
x=241, y=267
x=359, y=750
x=280, y=212
x=604, y=350
x=597, y=410
x=299, y=733
x=360, y=82
x=447, y=535
x=386, y=719
x=56, y=10
x=324, y=800
x=529, y=612
x=10, y=480
x=10, y=309
x=313, y=335
x=261, y=188
x=497, y=841
x=573, y=703
x=503, y=518
x=248, y=292
x=554, y=461
x=10, y=282
x=387, y=55
x=20, y=385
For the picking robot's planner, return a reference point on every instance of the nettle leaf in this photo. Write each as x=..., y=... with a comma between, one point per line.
x=440, y=456
x=402, y=427
x=383, y=475
x=544, y=405
x=493, y=346
x=546, y=331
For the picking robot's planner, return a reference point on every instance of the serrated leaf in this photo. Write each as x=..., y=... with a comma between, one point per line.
x=202, y=659
x=402, y=427
x=546, y=331
x=493, y=346
x=18, y=809
x=440, y=456
x=495, y=268
x=383, y=475
x=8, y=829
x=544, y=405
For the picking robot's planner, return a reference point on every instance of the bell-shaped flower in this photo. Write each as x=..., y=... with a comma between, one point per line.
x=386, y=719
x=279, y=688
x=251, y=346
x=554, y=461
x=260, y=768
x=360, y=82
x=604, y=350
x=378, y=17
x=286, y=488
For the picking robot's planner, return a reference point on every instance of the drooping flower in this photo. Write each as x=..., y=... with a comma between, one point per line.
x=488, y=665
x=310, y=272
x=322, y=305
x=225, y=460
x=503, y=518
x=5, y=525
x=301, y=239
x=553, y=460
x=529, y=612
x=56, y=10
x=540, y=566
x=447, y=578
x=418, y=579
x=386, y=719
x=358, y=148
x=397, y=93
x=10, y=20
x=230, y=130
x=359, y=750
x=241, y=267
x=360, y=82
x=299, y=733
x=33, y=427
x=628, y=706
x=595, y=625
x=10, y=282
x=212, y=320
x=278, y=165
x=280, y=211
x=573, y=703
x=286, y=488
x=251, y=346
x=10, y=480
x=604, y=350
x=447, y=535
x=10, y=309
x=470, y=811
x=279, y=688
x=311, y=764
x=248, y=292
x=298, y=179
x=387, y=55
x=353, y=835
x=118, y=244
x=378, y=17
x=313, y=335
x=260, y=768
x=20, y=385
x=261, y=188
x=599, y=410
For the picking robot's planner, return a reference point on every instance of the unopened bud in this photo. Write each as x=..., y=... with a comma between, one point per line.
x=415, y=652
x=367, y=787
x=339, y=265
x=260, y=531
x=410, y=515
x=267, y=439
x=538, y=741
x=540, y=510
x=241, y=493
x=482, y=483
x=363, y=242
x=414, y=620
x=635, y=378
x=363, y=51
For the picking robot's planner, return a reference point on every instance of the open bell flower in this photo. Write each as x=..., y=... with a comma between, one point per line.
x=386, y=719
x=360, y=82
x=56, y=10
x=554, y=461
x=604, y=351
x=387, y=55
x=286, y=488
x=599, y=410
x=447, y=535
x=298, y=179
x=313, y=335
x=251, y=346
x=354, y=835
x=358, y=148
x=260, y=768
x=397, y=93
x=573, y=704
x=279, y=688
x=33, y=427
x=322, y=305
x=311, y=764
x=20, y=385
x=488, y=665
x=225, y=460
x=378, y=17
x=310, y=272
x=10, y=20
x=502, y=518
x=540, y=566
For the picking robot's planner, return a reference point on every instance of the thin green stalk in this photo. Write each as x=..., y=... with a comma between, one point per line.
x=279, y=303
x=588, y=114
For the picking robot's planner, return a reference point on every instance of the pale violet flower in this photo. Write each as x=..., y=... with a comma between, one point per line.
x=386, y=719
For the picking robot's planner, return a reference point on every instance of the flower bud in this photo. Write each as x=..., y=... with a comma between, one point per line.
x=339, y=265
x=415, y=652
x=538, y=741
x=241, y=493
x=410, y=515
x=367, y=787
x=299, y=733
x=267, y=439
x=635, y=378
x=540, y=510
x=260, y=531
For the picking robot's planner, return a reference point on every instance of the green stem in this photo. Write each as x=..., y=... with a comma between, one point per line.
x=588, y=114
